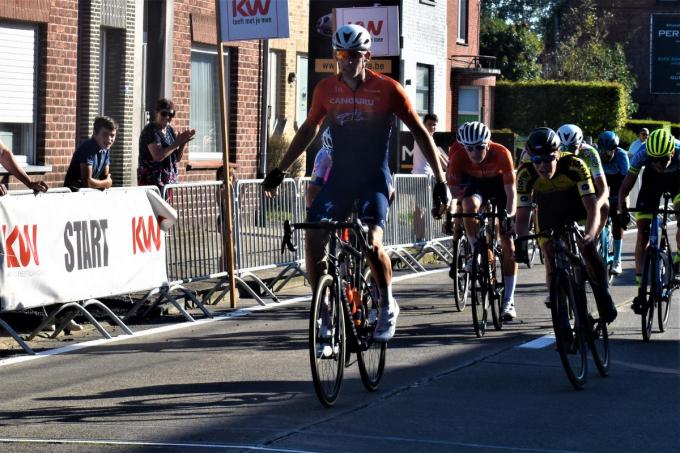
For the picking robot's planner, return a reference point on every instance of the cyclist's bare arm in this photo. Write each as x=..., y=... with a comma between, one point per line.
x=511, y=197
x=601, y=188
x=522, y=220
x=592, y=218
x=626, y=186
x=302, y=139
x=426, y=144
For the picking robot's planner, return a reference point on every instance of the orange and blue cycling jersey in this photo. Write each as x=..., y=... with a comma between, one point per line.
x=360, y=123
x=497, y=163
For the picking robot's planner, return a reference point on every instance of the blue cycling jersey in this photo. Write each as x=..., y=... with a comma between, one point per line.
x=640, y=159
x=618, y=165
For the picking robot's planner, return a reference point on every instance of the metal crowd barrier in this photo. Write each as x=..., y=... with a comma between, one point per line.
x=258, y=229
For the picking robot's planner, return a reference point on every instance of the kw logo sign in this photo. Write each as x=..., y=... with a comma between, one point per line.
x=145, y=236
x=26, y=238
x=249, y=8
x=86, y=246
x=373, y=27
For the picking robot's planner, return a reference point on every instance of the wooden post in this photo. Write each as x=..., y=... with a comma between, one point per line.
x=227, y=233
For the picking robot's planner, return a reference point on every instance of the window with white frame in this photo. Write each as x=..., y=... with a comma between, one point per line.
x=205, y=102
x=274, y=91
x=468, y=104
x=424, y=89
x=18, y=99
x=463, y=21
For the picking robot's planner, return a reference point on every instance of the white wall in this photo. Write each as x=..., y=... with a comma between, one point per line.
x=424, y=32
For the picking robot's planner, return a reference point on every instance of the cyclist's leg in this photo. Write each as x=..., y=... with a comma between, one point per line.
x=373, y=206
x=329, y=206
x=648, y=200
x=617, y=230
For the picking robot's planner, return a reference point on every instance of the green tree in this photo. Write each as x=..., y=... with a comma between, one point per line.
x=515, y=47
x=533, y=13
x=582, y=52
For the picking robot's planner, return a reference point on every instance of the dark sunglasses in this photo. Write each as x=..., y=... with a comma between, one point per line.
x=473, y=148
x=660, y=160
x=543, y=159
x=168, y=113
x=342, y=55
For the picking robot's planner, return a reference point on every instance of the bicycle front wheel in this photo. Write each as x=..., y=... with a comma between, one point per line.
x=461, y=279
x=497, y=291
x=327, y=341
x=569, y=334
x=648, y=291
x=598, y=335
x=666, y=291
x=372, y=359
x=480, y=295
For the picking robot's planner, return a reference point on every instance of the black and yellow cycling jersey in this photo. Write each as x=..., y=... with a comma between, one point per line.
x=571, y=173
x=558, y=199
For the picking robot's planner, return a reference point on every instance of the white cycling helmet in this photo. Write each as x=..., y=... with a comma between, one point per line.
x=570, y=135
x=326, y=140
x=474, y=133
x=352, y=37
x=459, y=131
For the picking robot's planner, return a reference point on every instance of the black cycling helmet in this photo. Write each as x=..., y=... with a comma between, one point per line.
x=543, y=141
x=607, y=141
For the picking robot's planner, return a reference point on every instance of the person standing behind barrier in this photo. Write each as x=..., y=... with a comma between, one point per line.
x=89, y=166
x=422, y=167
x=637, y=144
x=360, y=105
x=322, y=168
x=161, y=148
x=10, y=164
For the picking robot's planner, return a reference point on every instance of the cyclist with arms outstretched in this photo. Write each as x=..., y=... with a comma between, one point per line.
x=660, y=157
x=563, y=190
x=483, y=171
x=359, y=106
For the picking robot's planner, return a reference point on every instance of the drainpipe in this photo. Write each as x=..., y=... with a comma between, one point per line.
x=264, y=116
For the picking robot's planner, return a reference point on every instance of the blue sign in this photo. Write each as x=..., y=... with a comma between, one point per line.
x=664, y=58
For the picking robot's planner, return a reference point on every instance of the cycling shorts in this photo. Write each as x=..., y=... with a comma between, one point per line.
x=336, y=202
x=486, y=189
x=653, y=185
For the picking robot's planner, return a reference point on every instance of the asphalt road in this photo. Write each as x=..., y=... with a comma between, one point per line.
x=244, y=384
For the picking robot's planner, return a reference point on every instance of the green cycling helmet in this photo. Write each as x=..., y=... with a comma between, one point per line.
x=660, y=143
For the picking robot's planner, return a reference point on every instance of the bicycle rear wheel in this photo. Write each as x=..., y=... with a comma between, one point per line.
x=372, y=359
x=598, y=335
x=648, y=291
x=666, y=290
x=569, y=334
x=461, y=279
x=480, y=294
x=327, y=355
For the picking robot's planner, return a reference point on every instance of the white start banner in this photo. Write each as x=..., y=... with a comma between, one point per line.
x=382, y=22
x=64, y=247
x=253, y=19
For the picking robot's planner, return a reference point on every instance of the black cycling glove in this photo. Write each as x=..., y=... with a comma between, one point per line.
x=505, y=221
x=273, y=179
x=439, y=197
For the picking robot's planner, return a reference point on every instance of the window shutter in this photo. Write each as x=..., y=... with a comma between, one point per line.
x=17, y=75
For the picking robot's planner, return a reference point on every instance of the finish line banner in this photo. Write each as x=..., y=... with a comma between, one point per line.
x=66, y=247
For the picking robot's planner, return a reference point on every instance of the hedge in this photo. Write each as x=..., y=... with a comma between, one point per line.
x=636, y=125
x=594, y=106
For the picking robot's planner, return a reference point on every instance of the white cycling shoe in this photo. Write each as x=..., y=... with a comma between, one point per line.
x=509, y=312
x=387, y=322
x=616, y=268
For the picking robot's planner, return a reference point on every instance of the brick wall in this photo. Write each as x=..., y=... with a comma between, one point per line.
x=631, y=28
x=58, y=91
x=245, y=92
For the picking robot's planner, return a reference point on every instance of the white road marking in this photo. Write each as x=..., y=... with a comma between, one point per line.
x=539, y=343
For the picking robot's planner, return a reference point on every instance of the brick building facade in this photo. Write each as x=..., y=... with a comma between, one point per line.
x=631, y=28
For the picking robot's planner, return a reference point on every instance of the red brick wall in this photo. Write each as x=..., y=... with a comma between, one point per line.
x=245, y=91
x=57, y=92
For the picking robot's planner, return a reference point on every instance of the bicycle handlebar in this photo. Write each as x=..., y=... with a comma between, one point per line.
x=328, y=225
